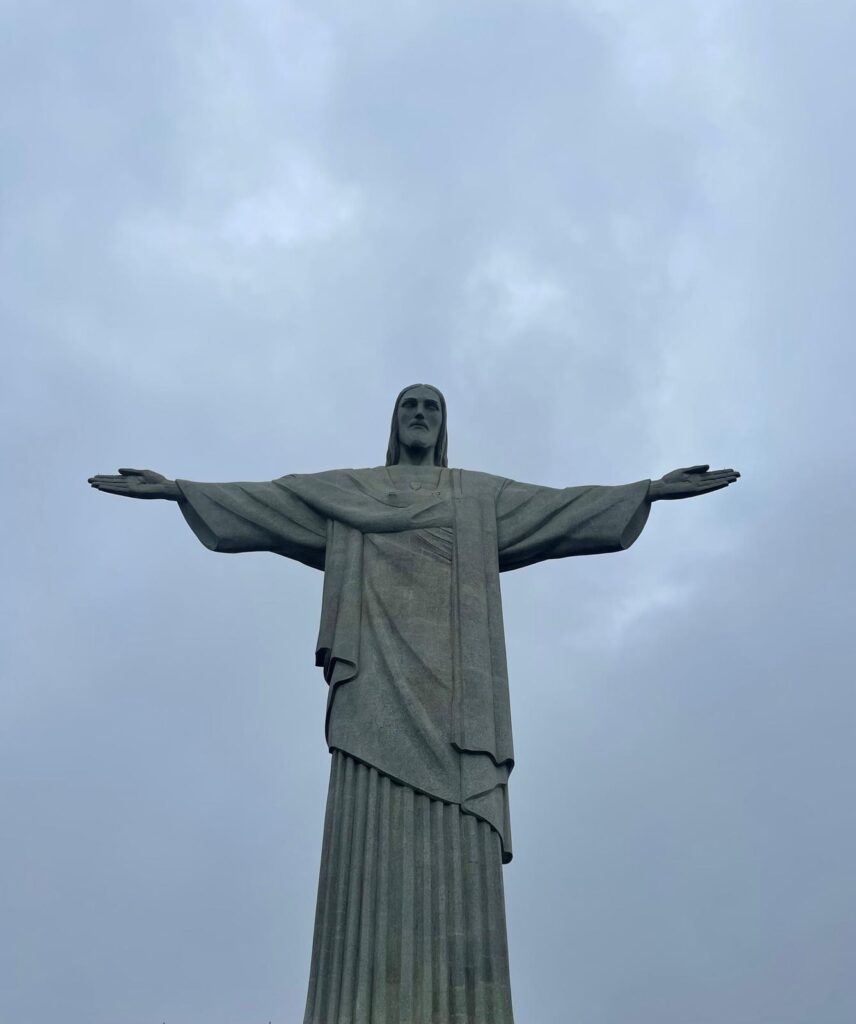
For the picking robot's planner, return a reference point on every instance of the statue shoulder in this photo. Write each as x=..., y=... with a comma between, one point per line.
x=337, y=475
x=481, y=485
x=333, y=481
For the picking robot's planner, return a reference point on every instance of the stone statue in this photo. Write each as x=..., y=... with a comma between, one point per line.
x=410, y=919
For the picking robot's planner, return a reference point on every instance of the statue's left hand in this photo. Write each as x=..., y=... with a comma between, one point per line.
x=690, y=482
x=137, y=483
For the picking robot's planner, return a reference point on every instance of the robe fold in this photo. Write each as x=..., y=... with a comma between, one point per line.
x=411, y=637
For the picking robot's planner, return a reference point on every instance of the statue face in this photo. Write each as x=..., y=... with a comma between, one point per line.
x=419, y=418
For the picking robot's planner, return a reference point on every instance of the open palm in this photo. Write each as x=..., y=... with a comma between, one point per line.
x=691, y=481
x=136, y=483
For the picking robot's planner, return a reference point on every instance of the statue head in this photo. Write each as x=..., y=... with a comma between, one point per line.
x=418, y=421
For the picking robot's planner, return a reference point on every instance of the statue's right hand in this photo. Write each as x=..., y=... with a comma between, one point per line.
x=137, y=483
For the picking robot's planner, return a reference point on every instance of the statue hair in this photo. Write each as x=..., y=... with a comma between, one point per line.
x=393, y=451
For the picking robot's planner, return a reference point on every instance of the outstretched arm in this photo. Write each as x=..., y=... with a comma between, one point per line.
x=690, y=482
x=137, y=483
x=536, y=523
x=233, y=517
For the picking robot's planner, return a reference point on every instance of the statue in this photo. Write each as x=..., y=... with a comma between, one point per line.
x=410, y=919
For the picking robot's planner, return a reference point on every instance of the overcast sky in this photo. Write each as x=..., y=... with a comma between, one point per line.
x=620, y=237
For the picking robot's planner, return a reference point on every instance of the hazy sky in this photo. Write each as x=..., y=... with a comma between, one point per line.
x=620, y=237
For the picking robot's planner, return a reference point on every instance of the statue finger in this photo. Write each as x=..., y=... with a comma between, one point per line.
x=696, y=469
x=112, y=488
x=721, y=474
x=104, y=478
x=132, y=472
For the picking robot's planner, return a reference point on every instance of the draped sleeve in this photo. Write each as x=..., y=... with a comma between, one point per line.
x=266, y=516
x=536, y=523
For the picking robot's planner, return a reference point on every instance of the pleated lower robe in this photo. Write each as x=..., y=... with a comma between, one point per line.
x=410, y=920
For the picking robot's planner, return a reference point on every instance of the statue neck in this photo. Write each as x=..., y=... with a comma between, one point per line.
x=415, y=457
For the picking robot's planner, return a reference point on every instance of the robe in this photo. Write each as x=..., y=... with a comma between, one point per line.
x=411, y=637
x=410, y=919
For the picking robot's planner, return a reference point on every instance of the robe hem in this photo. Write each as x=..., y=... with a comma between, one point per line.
x=507, y=855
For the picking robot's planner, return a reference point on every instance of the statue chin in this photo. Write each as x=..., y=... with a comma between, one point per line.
x=418, y=443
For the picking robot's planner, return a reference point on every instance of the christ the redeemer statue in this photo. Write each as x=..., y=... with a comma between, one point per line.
x=410, y=920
